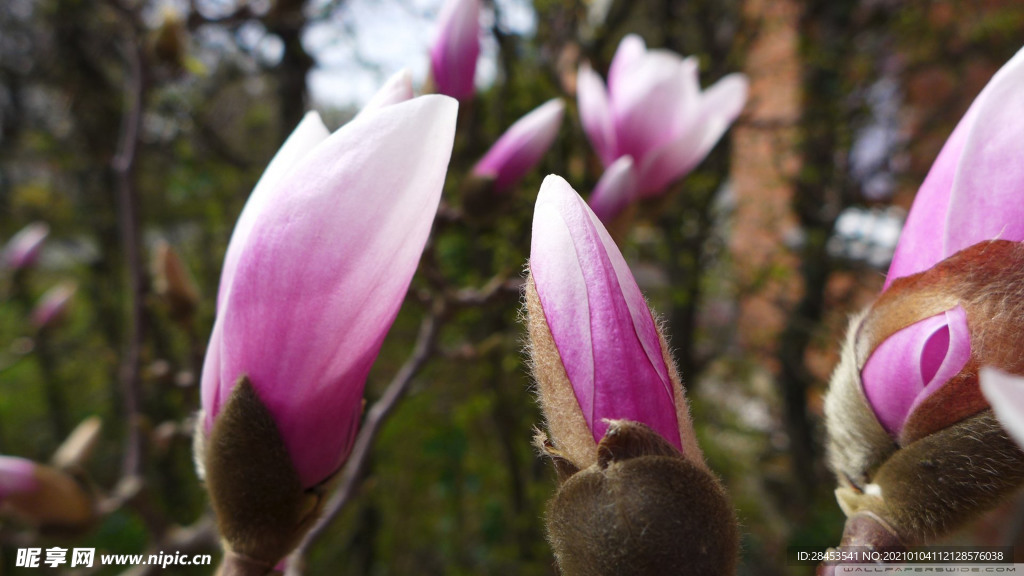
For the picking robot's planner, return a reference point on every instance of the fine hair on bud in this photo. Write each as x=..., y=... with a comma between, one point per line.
x=564, y=418
x=262, y=509
x=642, y=509
x=938, y=483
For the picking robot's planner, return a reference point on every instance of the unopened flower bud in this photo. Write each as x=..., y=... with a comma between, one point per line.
x=53, y=305
x=43, y=496
x=911, y=437
x=23, y=248
x=456, y=48
x=522, y=146
x=313, y=278
x=173, y=282
x=635, y=495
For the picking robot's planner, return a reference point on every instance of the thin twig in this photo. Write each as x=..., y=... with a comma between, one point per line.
x=123, y=165
x=499, y=285
x=352, y=474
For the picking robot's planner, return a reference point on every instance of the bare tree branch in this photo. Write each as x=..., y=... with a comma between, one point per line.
x=123, y=165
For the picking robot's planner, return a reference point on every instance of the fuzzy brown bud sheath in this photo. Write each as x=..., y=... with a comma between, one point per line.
x=951, y=461
x=635, y=495
x=261, y=506
x=174, y=283
x=912, y=440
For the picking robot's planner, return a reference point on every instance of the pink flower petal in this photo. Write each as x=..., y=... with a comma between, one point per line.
x=595, y=113
x=397, y=89
x=669, y=162
x=973, y=190
x=988, y=189
x=598, y=317
x=522, y=146
x=322, y=275
x=615, y=190
x=652, y=101
x=913, y=363
x=23, y=248
x=456, y=48
x=213, y=392
x=720, y=104
x=719, y=107
x=1005, y=392
x=306, y=136
x=17, y=475
x=53, y=303
x=629, y=53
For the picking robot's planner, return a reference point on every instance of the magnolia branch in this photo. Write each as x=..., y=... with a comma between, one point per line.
x=123, y=165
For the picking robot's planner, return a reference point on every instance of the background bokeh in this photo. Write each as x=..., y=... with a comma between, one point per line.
x=125, y=124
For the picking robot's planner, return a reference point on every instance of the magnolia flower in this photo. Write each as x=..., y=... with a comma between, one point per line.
x=52, y=304
x=456, y=48
x=42, y=495
x=972, y=194
x=635, y=489
x=916, y=449
x=23, y=248
x=316, y=270
x=16, y=476
x=606, y=338
x=654, y=111
x=522, y=146
x=303, y=318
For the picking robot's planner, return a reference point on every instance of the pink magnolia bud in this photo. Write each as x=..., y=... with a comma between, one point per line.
x=43, y=496
x=23, y=248
x=911, y=436
x=320, y=274
x=315, y=273
x=654, y=111
x=522, y=146
x=606, y=339
x=52, y=304
x=456, y=48
x=635, y=495
x=16, y=476
x=972, y=194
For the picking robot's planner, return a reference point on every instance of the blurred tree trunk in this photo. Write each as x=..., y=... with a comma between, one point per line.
x=824, y=50
x=287, y=19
